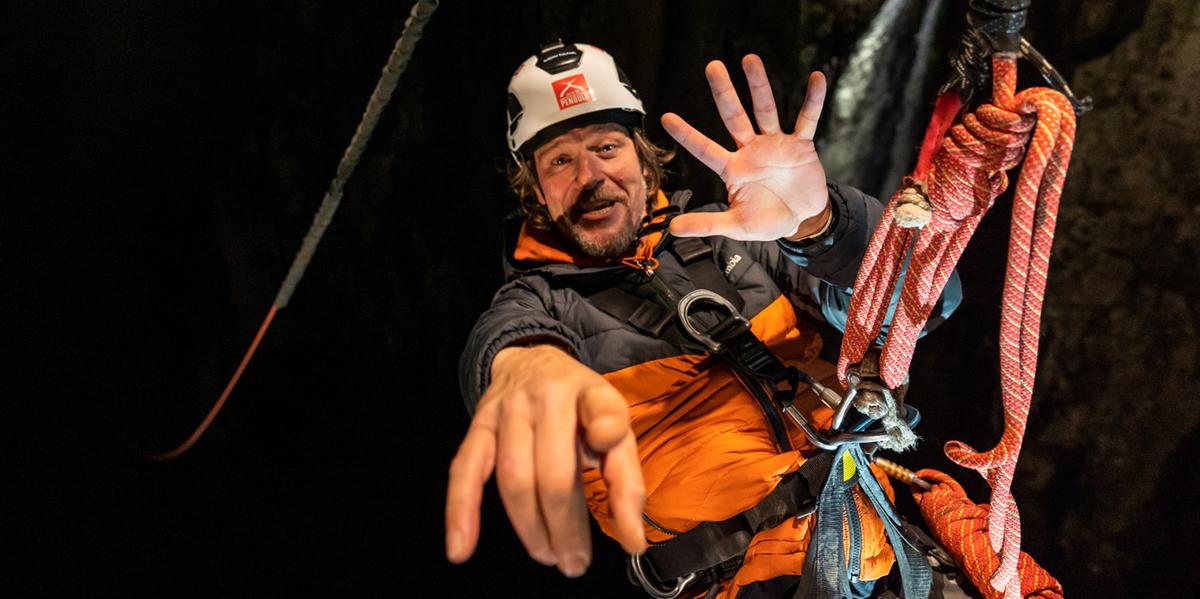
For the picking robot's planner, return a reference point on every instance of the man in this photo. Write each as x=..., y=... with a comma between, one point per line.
x=590, y=381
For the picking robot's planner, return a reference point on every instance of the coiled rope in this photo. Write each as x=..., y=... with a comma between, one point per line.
x=413, y=27
x=962, y=527
x=964, y=171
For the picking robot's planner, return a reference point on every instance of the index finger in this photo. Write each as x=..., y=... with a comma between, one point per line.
x=604, y=415
x=696, y=143
x=469, y=471
x=622, y=472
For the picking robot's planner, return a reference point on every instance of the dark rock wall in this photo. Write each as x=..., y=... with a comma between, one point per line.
x=162, y=161
x=1119, y=358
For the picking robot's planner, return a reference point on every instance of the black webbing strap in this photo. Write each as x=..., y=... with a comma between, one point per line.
x=637, y=305
x=696, y=257
x=713, y=544
x=770, y=382
x=642, y=313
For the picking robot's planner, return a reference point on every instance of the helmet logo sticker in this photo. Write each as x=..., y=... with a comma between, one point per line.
x=572, y=90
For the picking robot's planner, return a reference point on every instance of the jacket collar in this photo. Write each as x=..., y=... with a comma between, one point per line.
x=536, y=247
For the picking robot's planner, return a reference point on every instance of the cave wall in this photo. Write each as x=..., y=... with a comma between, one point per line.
x=1120, y=350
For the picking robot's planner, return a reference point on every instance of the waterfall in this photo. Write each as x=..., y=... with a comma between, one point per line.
x=862, y=99
x=908, y=131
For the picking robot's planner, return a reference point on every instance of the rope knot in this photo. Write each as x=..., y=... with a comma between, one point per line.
x=912, y=210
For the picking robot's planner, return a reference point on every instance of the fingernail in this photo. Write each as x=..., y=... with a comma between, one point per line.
x=574, y=565
x=454, y=544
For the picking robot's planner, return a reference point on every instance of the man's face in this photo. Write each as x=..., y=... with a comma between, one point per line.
x=591, y=182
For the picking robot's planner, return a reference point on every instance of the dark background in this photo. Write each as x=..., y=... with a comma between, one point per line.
x=161, y=161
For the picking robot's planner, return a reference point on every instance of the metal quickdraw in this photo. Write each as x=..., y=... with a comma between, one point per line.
x=757, y=367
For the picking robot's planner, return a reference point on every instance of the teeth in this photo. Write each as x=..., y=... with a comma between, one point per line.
x=598, y=207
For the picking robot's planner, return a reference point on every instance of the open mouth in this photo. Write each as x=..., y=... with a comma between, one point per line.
x=596, y=210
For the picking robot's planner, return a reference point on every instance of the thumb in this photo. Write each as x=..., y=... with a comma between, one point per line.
x=704, y=224
x=604, y=416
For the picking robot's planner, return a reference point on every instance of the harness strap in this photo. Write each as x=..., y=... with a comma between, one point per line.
x=696, y=257
x=646, y=315
x=721, y=545
x=837, y=511
x=638, y=305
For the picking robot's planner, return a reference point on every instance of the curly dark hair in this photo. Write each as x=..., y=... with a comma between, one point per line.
x=522, y=177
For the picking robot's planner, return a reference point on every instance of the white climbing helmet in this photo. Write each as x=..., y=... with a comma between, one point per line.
x=565, y=86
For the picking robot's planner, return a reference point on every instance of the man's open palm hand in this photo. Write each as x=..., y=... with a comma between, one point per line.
x=775, y=179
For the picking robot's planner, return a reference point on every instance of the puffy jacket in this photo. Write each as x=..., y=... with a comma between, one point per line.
x=706, y=449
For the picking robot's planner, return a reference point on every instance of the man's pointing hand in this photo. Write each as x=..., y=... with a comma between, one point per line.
x=545, y=418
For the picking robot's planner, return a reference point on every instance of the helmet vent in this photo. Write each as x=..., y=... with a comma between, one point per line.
x=515, y=110
x=624, y=79
x=557, y=57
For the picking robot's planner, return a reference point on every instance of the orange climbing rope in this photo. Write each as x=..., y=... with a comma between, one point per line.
x=963, y=173
x=200, y=429
x=962, y=528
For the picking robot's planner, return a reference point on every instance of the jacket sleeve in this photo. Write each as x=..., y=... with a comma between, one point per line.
x=831, y=261
x=521, y=313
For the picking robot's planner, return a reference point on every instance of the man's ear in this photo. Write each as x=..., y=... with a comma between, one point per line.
x=537, y=193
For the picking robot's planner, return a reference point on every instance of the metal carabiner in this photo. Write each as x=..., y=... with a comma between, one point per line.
x=635, y=563
x=838, y=440
x=1054, y=78
x=685, y=305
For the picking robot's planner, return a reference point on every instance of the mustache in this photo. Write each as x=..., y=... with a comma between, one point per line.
x=590, y=199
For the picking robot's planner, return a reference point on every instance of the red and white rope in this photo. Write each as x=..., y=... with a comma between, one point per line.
x=966, y=174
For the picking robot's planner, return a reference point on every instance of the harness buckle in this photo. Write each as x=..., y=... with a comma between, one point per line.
x=635, y=564
x=685, y=306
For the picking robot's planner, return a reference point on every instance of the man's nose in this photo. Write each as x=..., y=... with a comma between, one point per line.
x=589, y=172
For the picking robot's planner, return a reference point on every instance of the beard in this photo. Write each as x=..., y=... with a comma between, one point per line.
x=611, y=241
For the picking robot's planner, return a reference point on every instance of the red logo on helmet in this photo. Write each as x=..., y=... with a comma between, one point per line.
x=571, y=91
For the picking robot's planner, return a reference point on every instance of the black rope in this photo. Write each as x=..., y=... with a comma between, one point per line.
x=396, y=63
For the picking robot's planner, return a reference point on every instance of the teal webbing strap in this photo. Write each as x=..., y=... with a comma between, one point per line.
x=826, y=573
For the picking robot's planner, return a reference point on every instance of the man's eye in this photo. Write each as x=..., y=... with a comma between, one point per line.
x=559, y=161
x=607, y=148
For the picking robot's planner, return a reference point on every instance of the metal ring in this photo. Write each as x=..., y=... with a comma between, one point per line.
x=635, y=562
x=685, y=304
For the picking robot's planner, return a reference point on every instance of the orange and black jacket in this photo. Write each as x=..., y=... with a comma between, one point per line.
x=705, y=446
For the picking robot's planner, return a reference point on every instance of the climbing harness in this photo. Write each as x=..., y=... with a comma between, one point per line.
x=960, y=172
x=713, y=551
x=702, y=313
x=397, y=61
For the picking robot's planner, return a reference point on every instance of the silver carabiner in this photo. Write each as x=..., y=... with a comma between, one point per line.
x=685, y=305
x=635, y=563
x=831, y=443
